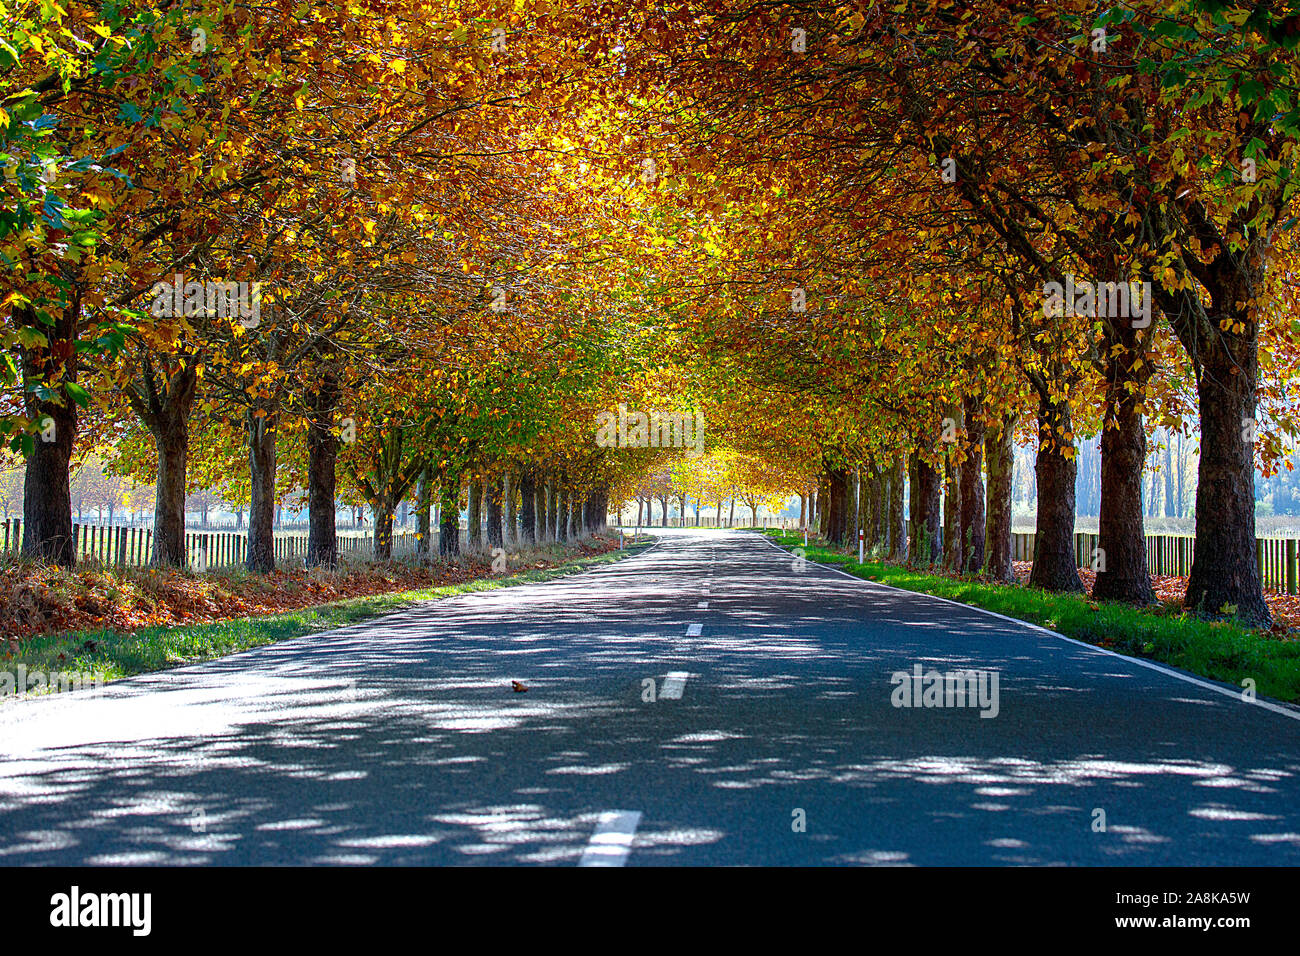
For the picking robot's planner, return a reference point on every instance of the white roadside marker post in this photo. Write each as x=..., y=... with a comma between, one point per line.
x=859, y=546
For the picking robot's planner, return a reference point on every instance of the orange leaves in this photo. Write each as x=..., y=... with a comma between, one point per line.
x=42, y=601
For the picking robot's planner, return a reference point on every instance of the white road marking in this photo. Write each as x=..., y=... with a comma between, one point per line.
x=694, y=630
x=673, y=685
x=612, y=841
x=1283, y=709
x=703, y=605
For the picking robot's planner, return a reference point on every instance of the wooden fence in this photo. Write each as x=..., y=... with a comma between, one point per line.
x=1172, y=554
x=122, y=546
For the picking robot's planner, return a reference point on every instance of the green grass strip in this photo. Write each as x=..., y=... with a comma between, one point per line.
x=1220, y=650
x=117, y=655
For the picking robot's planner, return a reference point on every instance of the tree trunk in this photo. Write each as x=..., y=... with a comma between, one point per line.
x=527, y=508
x=925, y=513
x=875, y=525
x=835, y=487
x=383, y=534
x=322, y=475
x=495, y=532
x=972, y=490
x=1225, y=568
x=261, y=510
x=449, y=530
x=47, y=493
x=897, y=512
x=172, y=445
x=561, y=514
x=1121, y=564
x=952, y=531
x=474, y=534
x=999, y=452
x=509, y=516
x=1054, y=559
x=423, y=505
x=857, y=504
x=913, y=505
x=595, y=512
x=548, y=511
x=165, y=411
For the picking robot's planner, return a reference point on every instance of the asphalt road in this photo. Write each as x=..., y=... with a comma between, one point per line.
x=772, y=738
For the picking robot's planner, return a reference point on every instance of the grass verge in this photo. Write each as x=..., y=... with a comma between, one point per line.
x=112, y=655
x=1220, y=650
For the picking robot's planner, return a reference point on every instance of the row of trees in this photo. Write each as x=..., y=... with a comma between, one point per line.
x=845, y=236
x=302, y=246
x=902, y=195
x=722, y=476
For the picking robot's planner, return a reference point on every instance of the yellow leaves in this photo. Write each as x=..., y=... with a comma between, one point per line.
x=398, y=65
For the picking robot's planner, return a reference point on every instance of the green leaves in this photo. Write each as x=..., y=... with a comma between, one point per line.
x=77, y=394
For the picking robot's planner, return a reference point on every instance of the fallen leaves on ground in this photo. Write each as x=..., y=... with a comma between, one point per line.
x=1172, y=589
x=37, y=599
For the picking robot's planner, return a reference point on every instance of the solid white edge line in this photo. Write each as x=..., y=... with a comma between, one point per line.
x=674, y=684
x=612, y=840
x=1277, y=708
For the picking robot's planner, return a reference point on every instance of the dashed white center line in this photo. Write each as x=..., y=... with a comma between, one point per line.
x=612, y=841
x=673, y=685
x=694, y=630
x=703, y=605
